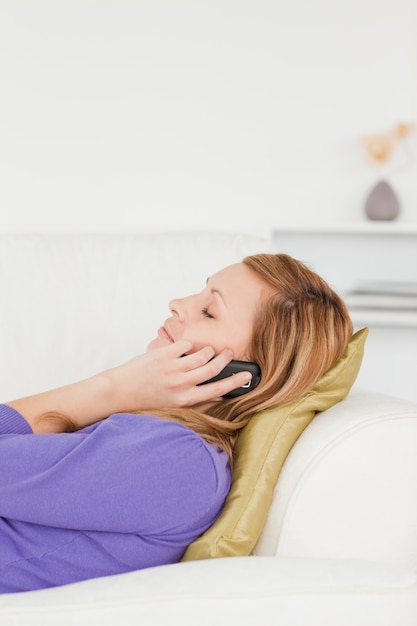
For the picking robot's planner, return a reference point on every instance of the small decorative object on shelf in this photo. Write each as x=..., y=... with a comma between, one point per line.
x=382, y=202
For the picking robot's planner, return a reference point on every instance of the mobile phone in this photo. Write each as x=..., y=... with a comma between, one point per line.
x=233, y=368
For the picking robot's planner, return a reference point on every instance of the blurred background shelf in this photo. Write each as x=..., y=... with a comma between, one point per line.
x=349, y=254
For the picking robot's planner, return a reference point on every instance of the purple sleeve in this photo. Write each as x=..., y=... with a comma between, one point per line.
x=127, y=474
x=11, y=422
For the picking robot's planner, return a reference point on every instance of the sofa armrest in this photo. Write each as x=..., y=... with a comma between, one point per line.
x=243, y=590
x=348, y=487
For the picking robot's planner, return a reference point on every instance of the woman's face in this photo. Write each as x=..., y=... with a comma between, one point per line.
x=221, y=316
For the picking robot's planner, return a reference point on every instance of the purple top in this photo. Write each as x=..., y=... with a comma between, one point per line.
x=129, y=492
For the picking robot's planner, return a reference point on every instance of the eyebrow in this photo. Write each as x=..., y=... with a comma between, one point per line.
x=215, y=290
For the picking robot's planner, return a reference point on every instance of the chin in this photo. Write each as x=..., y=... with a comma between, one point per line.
x=155, y=343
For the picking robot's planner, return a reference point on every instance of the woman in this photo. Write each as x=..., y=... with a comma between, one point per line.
x=129, y=491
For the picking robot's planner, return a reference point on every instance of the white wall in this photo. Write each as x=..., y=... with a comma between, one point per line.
x=173, y=114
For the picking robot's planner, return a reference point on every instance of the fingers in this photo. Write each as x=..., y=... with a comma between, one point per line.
x=179, y=348
x=219, y=388
x=201, y=366
x=204, y=364
x=176, y=374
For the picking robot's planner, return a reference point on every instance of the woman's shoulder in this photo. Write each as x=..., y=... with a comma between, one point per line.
x=178, y=456
x=171, y=441
x=148, y=427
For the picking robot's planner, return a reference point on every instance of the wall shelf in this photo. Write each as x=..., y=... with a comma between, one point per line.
x=384, y=318
x=348, y=254
x=368, y=227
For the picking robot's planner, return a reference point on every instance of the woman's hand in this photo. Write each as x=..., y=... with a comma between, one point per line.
x=169, y=377
x=161, y=378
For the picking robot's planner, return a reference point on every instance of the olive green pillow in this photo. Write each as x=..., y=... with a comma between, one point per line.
x=261, y=450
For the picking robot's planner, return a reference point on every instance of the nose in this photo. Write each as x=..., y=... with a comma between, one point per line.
x=176, y=307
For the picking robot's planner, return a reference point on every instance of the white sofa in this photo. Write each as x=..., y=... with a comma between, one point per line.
x=339, y=546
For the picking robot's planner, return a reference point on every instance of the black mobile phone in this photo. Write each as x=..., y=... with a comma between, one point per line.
x=233, y=368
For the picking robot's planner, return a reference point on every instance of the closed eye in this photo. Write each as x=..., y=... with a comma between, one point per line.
x=206, y=313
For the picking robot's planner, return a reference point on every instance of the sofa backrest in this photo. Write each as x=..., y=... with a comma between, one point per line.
x=72, y=305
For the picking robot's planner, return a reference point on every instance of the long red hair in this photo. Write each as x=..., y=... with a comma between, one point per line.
x=300, y=331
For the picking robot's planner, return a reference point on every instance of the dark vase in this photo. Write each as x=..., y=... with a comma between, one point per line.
x=382, y=202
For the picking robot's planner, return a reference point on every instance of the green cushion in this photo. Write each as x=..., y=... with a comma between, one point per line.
x=261, y=450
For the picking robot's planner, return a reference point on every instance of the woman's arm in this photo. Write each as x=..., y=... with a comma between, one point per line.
x=109, y=477
x=70, y=407
x=160, y=378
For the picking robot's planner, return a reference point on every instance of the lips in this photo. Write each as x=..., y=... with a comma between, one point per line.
x=164, y=334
